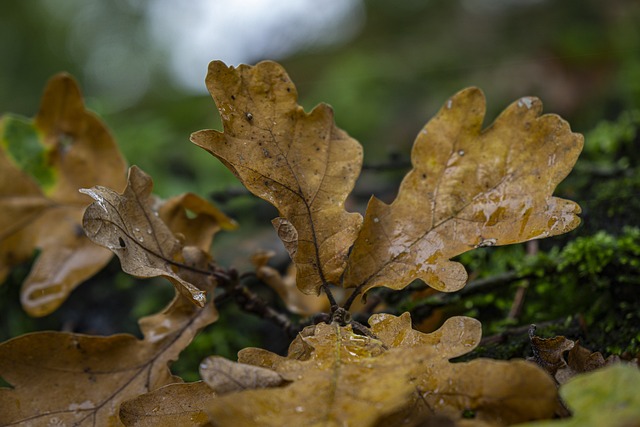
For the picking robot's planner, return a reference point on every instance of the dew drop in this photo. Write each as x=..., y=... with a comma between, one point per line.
x=136, y=229
x=149, y=231
x=449, y=103
x=141, y=239
x=299, y=409
x=200, y=297
x=376, y=220
x=460, y=153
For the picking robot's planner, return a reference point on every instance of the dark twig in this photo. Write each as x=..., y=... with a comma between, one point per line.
x=250, y=302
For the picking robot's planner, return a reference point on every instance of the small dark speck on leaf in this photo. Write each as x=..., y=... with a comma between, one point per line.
x=121, y=242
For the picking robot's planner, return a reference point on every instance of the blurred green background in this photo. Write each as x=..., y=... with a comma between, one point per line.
x=386, y=68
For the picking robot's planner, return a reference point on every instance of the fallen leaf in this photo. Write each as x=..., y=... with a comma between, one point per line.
x=72, y=379
x=129, y=226
x=605, y=397
x=468, y=188
x=299, y=162
x=169, y=406
x=491, y=392
x=549, y=354
x=225, y=376
x=43, y=163
x=341, y=383
x=341, y=378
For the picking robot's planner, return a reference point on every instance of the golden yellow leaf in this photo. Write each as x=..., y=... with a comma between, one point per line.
x=341, y=383
x=43, y=163
x=468, y=188
x=299, y=162
x=341, y=378
x=129, y=226
x=174, y=405
x=73, y=379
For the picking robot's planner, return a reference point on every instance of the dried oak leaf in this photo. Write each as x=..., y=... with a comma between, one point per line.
x=491, y=392
x=43, y=163
x=549, y=354
x=61, y=378
x=130, y=226
x=285, y=287
x=169, y=406
x=605, y=397
x=340, y=378
x=198, y=230
x=225, y=376
x=468, y=188
x=299, y=162
x=347, y=379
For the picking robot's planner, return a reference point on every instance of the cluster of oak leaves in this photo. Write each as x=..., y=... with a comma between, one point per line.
x=468, y=188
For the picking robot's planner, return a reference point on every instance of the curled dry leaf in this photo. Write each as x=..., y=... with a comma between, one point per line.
x=468, y=188
x=199, y=230
x=169, y=406
x=549, y=354
x=43, y=163
x=340, y=378
x=129, y=226
x=225, y=376
x=61, y=378
x=285, y=287
x=301, y=163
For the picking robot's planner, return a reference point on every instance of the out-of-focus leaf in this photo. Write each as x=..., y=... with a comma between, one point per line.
x=341, y=378
x=129, y=226
x=549, y=353
x=199, y=230
x=605, y=397
x=285, y=286
x=225, y=376
x=61, y=378
x=468, y=188
x=43, y=163
x=301, y=163
x=169, y=406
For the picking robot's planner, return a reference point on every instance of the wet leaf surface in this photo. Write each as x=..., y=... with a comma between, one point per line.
x=129, y=225
x=341, y=378
x=468, y=188
x=43, y=163
x=299, y=162
x=72, y=379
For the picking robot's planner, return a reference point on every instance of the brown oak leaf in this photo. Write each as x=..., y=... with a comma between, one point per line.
x=130, y=226
x=43, y=163
x=60, y=378
x=299, y=162
x=468, y=188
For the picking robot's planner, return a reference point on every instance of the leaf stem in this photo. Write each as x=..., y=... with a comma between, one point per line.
x=352, y=297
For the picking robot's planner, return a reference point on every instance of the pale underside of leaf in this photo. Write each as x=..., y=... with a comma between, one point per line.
x=128, y=225
x=301, y=163
x=468, y=188
x=73, y=379
x=169, y=406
